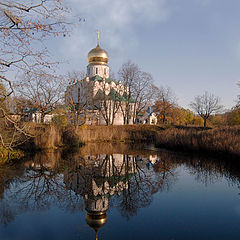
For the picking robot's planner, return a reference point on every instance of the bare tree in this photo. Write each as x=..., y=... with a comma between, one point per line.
x=108, y=101
x=129, y=74
x=205, y=105
x=142, y=93
x=165, y=101
x=43, y=90
x=24, y=27
x=79, y=96
x=137, y=88
x=11, y=134
x=238, y=100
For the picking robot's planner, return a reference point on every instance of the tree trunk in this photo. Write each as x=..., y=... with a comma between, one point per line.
x=42, y=117
x=164, y=118
x=205, y=122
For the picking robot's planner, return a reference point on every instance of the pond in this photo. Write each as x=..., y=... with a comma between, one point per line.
x=118, y=191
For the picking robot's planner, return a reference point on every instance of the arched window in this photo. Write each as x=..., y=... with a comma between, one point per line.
x=96, y=70
x=89, y=71
x=105, y=71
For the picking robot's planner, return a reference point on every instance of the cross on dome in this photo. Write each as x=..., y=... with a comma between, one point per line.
x=98, y=36
x=98, y=55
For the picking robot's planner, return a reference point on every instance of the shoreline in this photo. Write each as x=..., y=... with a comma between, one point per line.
x=217, y=141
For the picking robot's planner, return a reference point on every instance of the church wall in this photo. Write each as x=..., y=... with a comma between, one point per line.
x=71, y=95
x=101, y=120
x=118, y=120
x=79, y=92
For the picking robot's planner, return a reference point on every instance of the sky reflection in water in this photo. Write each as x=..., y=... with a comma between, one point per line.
x=122, y=193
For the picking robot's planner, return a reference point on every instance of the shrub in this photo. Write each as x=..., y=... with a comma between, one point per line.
x=70, y=138
x=60, y=120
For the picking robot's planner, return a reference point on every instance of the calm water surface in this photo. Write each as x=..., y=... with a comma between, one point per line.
x=120, y=192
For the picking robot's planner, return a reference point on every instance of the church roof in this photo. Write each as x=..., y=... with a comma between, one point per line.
x=113, y=95
x=98, y=78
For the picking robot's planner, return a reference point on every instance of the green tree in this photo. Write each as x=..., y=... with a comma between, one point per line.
x=189, y=116
x=233, y=117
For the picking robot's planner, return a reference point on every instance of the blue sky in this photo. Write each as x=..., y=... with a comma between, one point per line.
x=190, y=45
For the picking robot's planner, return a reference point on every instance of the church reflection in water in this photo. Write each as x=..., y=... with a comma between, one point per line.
x=95, y=183
x=98, y=178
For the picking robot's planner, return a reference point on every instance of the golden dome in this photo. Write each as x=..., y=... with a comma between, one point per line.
x=96, y=221
x=98, y=56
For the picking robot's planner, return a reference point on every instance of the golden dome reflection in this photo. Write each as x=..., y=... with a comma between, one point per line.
x=96, y=221
x=98, y=56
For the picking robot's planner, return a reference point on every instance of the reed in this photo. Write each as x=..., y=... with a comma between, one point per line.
x=218, y=140
x=125, y=133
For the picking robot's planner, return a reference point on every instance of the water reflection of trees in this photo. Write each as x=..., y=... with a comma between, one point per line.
x=141, y=187
x=41, y=185
x=8, y=175
x=95, y=182
x=35, y=185
x=208, y=170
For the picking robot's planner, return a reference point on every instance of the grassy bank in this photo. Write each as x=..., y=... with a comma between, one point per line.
x=217, y=140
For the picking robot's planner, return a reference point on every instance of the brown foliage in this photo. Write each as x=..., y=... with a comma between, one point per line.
x=233, y=117
x=165, y=104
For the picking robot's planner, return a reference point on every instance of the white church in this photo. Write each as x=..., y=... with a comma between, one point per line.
x=98, y=99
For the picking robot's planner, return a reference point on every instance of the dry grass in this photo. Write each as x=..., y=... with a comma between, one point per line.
x=218, y=140
x=45, y=137
x=126, y=133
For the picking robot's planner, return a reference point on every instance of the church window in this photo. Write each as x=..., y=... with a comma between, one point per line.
x=105, y=71
x=96, y=70
x=88, y=71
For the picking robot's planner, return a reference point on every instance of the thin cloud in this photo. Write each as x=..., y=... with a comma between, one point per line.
x=117, y=20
